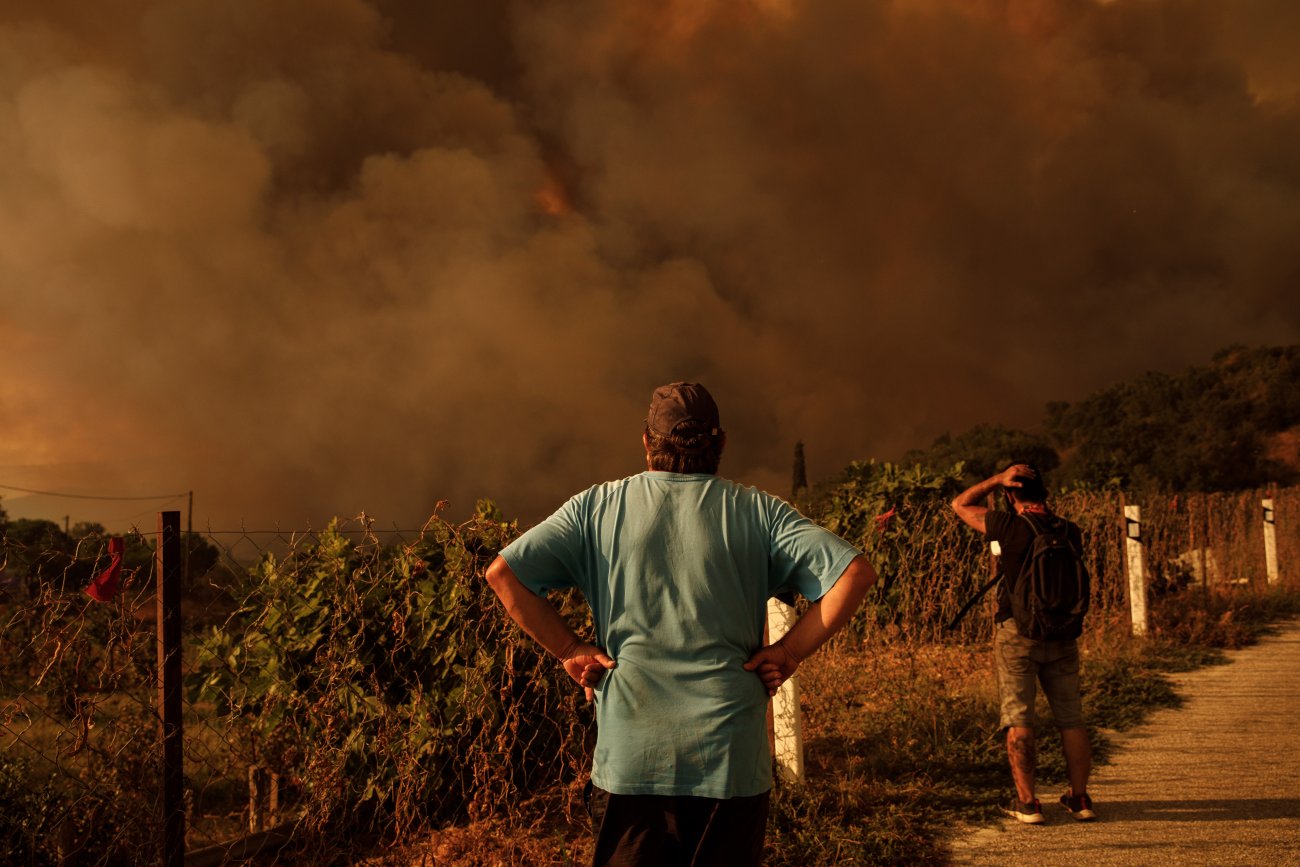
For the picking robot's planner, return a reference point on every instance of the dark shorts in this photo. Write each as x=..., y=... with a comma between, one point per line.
x=673, y=830
x=1023, y=664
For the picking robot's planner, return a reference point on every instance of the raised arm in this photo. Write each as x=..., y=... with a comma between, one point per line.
x=969, y=504
x=775, y=663
x=585, y=663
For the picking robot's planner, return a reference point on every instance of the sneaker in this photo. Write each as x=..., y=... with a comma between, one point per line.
x=1079, y=806
x=1029, y=812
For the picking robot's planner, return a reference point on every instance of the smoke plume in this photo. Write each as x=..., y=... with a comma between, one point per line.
x=315, y=257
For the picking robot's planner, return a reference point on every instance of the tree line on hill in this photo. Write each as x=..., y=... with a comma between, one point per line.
x=1232, y=424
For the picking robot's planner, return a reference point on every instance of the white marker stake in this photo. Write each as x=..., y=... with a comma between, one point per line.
x=1137, y=582
x=786, y=728
x=1270, y=541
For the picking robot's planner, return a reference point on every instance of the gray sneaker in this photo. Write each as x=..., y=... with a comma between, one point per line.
x=1029, y=812
x=1079, y=806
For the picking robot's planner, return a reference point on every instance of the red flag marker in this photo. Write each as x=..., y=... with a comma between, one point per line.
x=882, y=521
x=105, y=585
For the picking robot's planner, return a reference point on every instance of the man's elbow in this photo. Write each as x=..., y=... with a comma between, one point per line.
x=498, y=574
x=972, y=517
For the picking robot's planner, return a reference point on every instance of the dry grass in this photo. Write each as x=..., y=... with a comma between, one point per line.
x=558, y=834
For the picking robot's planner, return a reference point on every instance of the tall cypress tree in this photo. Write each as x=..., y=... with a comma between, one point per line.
x=799, y=478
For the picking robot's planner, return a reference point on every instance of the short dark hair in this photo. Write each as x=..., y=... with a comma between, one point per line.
x=691, y=448
x=1032, y=489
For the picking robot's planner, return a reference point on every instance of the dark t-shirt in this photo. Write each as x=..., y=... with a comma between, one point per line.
x=1014, y=535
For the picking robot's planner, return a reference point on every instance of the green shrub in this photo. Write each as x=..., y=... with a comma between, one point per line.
x=104, y=817
x=25, y=812
x=928, y=562
x=386, y=685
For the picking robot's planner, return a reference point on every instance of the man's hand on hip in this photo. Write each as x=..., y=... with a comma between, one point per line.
x=774, y=665
x=586, y=664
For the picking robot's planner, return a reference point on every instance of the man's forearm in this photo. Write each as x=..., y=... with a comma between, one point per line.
x=969, y=504
x=977, y=493
x=534, y=614
x=828, y=615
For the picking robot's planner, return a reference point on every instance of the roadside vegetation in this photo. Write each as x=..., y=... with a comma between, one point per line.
x=476, y=746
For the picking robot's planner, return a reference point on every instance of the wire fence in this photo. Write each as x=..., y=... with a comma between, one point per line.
x=358, y=681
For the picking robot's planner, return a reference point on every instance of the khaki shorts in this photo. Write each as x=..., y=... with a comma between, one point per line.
x=1022, y=664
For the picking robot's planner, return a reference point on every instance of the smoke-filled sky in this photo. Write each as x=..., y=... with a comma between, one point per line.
x=315, y=257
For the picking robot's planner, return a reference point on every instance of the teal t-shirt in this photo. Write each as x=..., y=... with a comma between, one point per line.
x=677, y=570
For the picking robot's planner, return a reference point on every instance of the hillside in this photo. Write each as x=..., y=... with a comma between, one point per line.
x=1231, y=424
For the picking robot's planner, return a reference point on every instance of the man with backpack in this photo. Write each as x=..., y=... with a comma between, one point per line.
x=1043, y=592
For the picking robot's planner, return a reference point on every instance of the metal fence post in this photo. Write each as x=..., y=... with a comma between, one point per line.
x=787, y=731
x=1137, y=583
x=168, y=562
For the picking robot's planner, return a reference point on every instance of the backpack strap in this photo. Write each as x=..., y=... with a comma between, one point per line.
x=1038, y=532
x=1033, y=525
x=979, y=594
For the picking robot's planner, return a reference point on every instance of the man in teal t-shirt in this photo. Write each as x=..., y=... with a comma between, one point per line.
x=677, y=565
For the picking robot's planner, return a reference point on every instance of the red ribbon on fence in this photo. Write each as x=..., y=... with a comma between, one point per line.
x=105, y=585
x=882, y=521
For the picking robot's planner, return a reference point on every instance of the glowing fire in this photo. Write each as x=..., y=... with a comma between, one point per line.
x=552, y=199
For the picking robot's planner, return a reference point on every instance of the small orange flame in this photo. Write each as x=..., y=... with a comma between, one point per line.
x=552, y=199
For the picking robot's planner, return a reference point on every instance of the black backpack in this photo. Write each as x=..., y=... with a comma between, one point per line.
x=1050, y=595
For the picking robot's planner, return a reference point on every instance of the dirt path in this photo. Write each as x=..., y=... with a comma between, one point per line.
x=1216, y=782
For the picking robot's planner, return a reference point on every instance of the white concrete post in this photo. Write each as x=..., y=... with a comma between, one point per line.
x=1270, y=541
x=1137, y=578
x=787, y=730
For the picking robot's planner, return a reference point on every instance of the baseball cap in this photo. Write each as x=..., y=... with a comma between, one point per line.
x=679, y=402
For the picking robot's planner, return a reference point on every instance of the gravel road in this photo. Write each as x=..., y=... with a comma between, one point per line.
x=1215, y=782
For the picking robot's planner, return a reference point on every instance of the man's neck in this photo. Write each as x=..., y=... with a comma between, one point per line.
x=1032, y=508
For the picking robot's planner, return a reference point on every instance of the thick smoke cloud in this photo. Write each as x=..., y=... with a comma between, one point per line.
x=319, y=256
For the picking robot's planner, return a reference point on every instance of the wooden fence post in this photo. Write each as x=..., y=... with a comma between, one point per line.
x=787, y=731
x=263, y=798
x=1198, y=531
x=1137, y=581
x=1270, y=541
x=168, y=562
